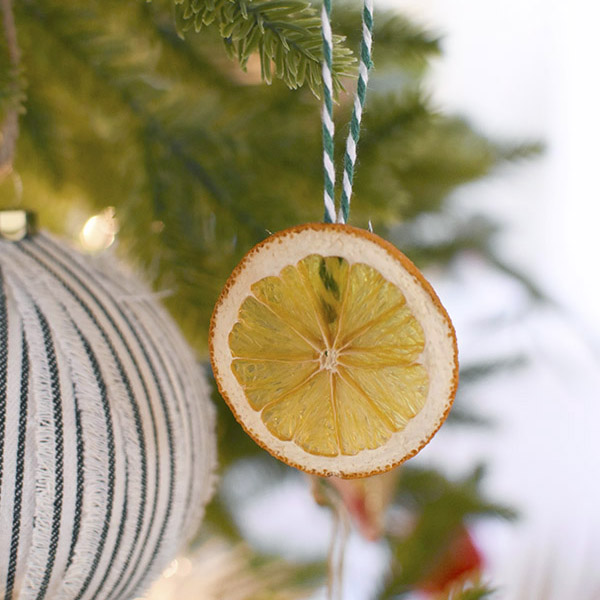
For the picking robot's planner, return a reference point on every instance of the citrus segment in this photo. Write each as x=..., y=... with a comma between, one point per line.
x=326, y=279
x=379, y=344
x=361, y=423
x=371, y=297
x=260, y=333
x=401, y=391
x=268, y=380
x=333, y=351
x=287, y=297
x=305, y=415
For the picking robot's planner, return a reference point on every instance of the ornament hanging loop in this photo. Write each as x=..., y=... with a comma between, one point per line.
x=365, y=65
x=327, y=115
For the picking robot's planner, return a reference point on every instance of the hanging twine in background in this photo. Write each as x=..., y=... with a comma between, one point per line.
x=339, y=538
x=327, y=113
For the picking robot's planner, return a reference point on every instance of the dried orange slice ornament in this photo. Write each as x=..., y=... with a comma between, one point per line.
x=333, y=351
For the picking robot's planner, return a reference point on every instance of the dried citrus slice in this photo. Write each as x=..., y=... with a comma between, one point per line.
x=333, y=352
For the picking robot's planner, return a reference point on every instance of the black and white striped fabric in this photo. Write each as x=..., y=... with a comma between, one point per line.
x=107, y=443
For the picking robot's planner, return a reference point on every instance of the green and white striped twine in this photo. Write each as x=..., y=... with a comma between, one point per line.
x=327, y=113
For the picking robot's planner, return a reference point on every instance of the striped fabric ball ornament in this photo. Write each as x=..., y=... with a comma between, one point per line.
x=107, y=443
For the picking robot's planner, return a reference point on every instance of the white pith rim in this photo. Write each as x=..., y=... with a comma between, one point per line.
x=438, y=357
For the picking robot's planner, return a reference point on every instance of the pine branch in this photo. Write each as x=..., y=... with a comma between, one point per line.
x=407, y=147
x=109, y=59
x=438, y=237
x=441, y=506
x=464, y=417
x=194, y=55
x=536, y=293
x=487, y=368
x=285, y=34
x=399, y=43
x=123, y=112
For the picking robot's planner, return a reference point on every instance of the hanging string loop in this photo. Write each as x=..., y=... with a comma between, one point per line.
x=365, y=65
x=327, y=114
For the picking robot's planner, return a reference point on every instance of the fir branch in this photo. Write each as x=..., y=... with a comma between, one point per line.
x=108, y=57
x=285, y=34
x=168, y=131
x=196, y=53
x=438, y=238
x=487, y=368
x=536, y=293
x=399, y=43
x=422, y=154
x=442, y=506
x=461, y=416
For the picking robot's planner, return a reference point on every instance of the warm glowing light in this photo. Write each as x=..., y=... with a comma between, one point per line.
x=185, y=567
x=99, y=231
x=157, y=226
x=14, y=224
x=171, y=569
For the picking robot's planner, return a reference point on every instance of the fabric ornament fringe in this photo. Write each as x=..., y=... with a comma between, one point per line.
x=107, y=442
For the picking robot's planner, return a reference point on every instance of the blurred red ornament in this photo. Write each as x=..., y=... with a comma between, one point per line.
x=459, y=561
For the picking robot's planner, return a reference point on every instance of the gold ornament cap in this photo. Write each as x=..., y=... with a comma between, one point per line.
x=16, y=225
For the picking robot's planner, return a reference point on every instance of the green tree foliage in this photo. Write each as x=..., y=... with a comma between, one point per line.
x=201, y=160
x=442, y=506
x=284, y=34
x=136, y=105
